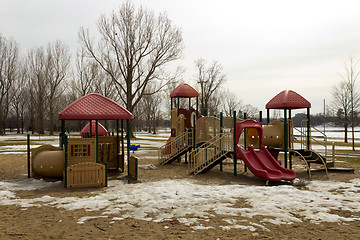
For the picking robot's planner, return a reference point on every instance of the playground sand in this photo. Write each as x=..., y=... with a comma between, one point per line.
x=47, y=222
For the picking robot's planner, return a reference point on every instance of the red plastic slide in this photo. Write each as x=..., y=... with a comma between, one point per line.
x=262, y=164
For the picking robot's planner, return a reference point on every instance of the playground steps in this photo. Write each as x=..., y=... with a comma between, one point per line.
x=172, y=158
x=310, y=156
x=209, y=164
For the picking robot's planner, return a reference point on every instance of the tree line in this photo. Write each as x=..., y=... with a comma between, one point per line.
x=128, y=63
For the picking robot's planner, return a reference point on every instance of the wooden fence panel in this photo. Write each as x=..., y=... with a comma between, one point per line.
x=86, y=175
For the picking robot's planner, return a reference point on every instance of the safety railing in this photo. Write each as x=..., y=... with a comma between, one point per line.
x=301, y=136
x=175, y=146
x=210, y=151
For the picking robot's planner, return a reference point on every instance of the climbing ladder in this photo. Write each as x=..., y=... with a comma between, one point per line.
x=176, y=147
x=210, y=153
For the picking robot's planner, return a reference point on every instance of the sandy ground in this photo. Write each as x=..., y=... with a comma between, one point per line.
x=53, y=223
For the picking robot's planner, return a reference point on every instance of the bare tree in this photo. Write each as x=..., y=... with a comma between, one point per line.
x=251, y=111
x=20, y=98
x=209, y=80
x=134, y=49
x=151, y=108
x=350, y=77
x=57, y=66
x=230, y=103
x=35, y=68
x=346, y=99
x=341, y=104
x=9, y=56
x=87, y=71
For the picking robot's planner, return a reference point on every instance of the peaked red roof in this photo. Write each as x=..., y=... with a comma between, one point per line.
x=94, y=106
x=288, y=99
x=184, y=90
x=101, y=129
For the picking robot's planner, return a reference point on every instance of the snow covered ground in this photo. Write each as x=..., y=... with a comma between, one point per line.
x=193, y=203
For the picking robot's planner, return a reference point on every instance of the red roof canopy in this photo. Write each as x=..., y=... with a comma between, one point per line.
x=94, y=106
x=101, y=129
x=288, y=99
x=184, y=90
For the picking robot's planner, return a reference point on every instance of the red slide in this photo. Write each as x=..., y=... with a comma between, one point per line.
x=262, y=164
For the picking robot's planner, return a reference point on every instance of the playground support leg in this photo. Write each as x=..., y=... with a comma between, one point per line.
x=285, y=138
x=290, y=139
x=117, y=144
x=221, y=134
x=128, y=140
x=245, y=167
x=97, y=141
x=234, y=142
x=308, y=129
x=122, y=146
x=28, y=154
x=66, y=158
x=62, y=132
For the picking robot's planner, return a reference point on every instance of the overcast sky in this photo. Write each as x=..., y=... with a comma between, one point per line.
x=264, y=46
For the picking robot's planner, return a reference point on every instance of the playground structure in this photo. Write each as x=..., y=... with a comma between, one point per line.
x=206, y=141
x=83, y=162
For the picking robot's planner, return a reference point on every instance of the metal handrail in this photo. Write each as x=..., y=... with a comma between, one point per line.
x=303, y=136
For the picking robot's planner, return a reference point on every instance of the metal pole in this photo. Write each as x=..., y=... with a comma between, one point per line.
x=308, y=128
x=122, y=147
x=128, y=142
x=62, y=132
x=260, y=117
x=245, y=147
x=267, y=116
x=97, y=140
x=324, y=119
x=234, y=142
x=117, y=145
x=28, y=155
x=197, y=107
x=285, y=138
x=66, y=158
x=290, y=139
x=221, y=133
x=178, y=105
